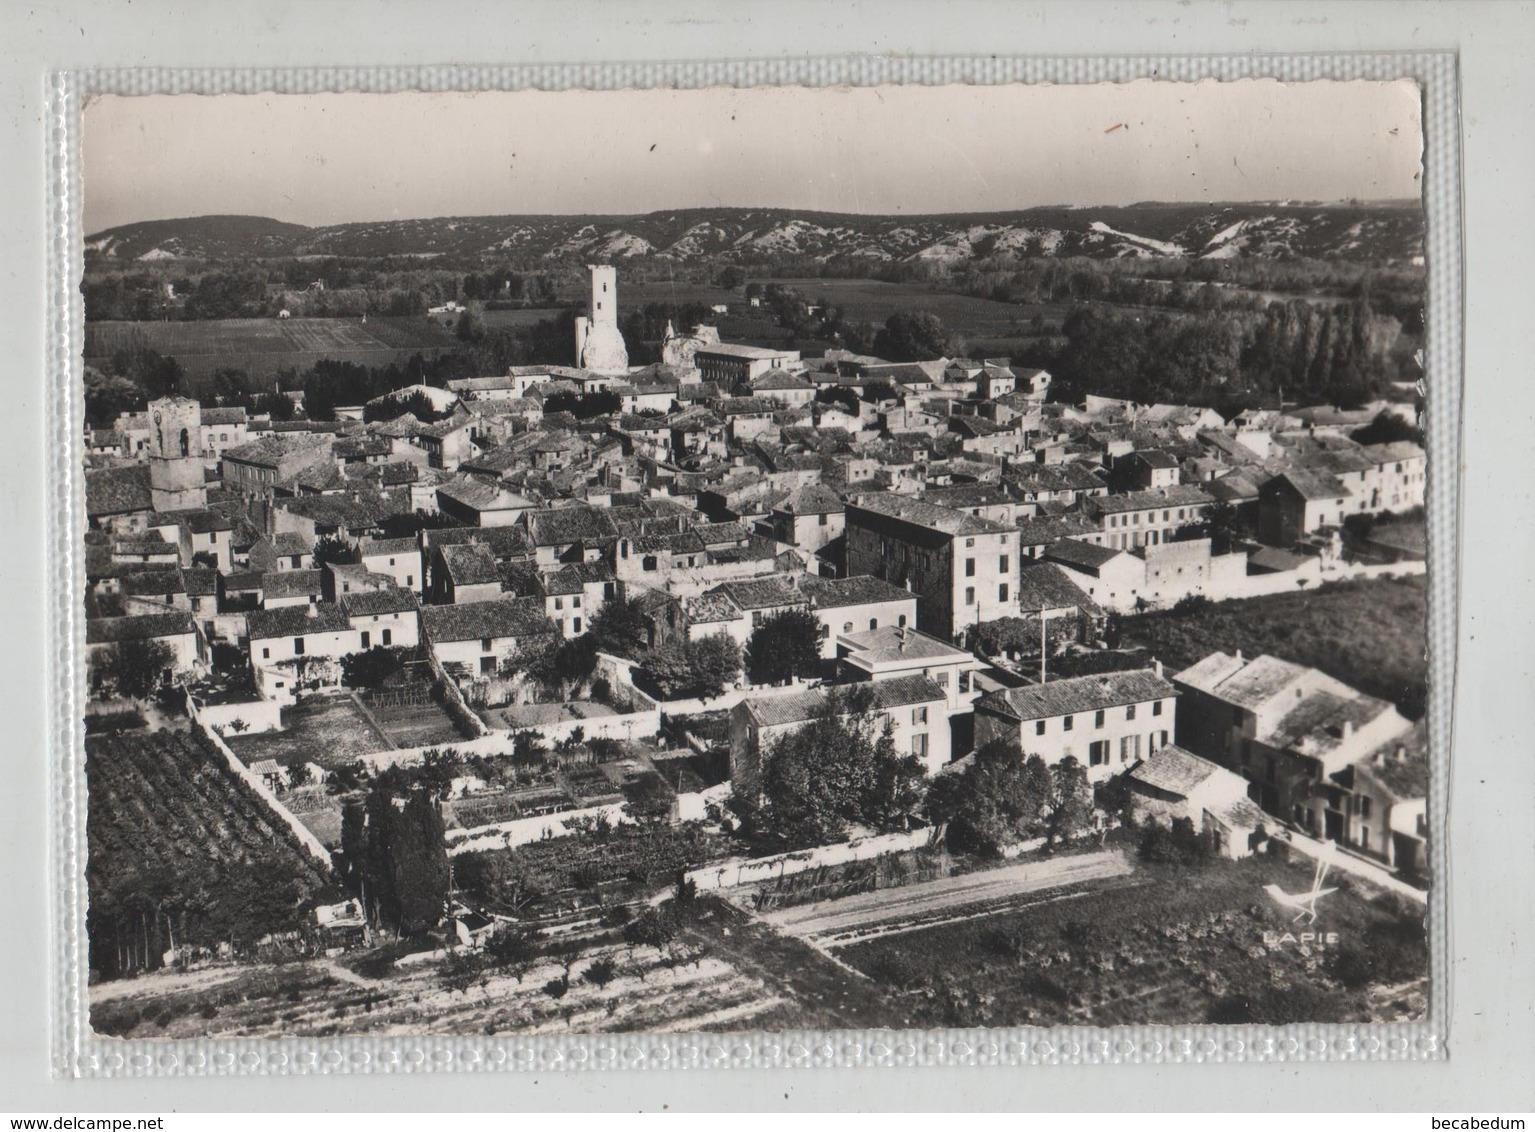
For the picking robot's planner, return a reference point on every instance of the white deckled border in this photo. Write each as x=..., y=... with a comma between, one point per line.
x=77, y=1052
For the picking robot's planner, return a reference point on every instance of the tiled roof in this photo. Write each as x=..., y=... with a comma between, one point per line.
x=1046, y=585
x=372, y=602
x=813, y=499
x=138, y=627
x=470, y=564
x=1405, y=775
x=711, y=608
x=475, y=620
x=117, y=491
x=1310, y=485
x=235, y=416
x=296, y=621
x=770, y=592
x=200, y=581
x=560, y=526
x=862, y=589
x=929, y=515
x=891, y=643
x=504, y=542
x=801, y=707
x=270, y=449
x=1179, y=495
x=291, y=583
x=1078, y=694
x=153, y=583
x=373, y=547
x=1075, y=552
x=1174, y=770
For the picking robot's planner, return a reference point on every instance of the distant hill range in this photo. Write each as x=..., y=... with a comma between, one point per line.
x=1383, y=232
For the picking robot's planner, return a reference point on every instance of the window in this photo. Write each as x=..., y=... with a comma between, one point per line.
x=1039, y=727
x=1166, y=515
x=874, y=622
x=823, y=518
x=298, y=646
x=1067, y=722
x=1097, y=719
x=847, y=626
x=918, y=715
x=575, y=624
x=969, y=542
x=410, y=579
x=901, y=621
x=970, y=567
x=559, y=603
x=1364, y=807
x=1156, y=708
x=941, y=679
x=366, y=640
x=487, y=666
x=969, y=595
x=1129, y=748
x=919, y=745
x=1130, y=712
x=649, y=562
x=266, y=654
x=1098, y=753
x=1002, y=592
x=388, y=637
x=1002, y=564
x=484, y=644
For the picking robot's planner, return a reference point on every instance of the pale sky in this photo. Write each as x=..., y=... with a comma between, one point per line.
x=328, y=159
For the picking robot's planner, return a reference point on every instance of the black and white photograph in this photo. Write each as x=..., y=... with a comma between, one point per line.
x=755, y=559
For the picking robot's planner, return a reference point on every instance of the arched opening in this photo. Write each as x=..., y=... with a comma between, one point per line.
x=186, y=443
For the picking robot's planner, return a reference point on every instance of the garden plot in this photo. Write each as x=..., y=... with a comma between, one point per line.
x=415, y=725
x=1168, y=944
x=329, y=730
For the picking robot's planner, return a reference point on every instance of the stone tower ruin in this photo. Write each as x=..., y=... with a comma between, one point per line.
x=599, y=345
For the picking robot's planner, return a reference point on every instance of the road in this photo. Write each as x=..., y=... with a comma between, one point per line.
x=1345, y=861
x=932, y=903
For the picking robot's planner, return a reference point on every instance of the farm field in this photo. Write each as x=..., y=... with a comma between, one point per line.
x=414, y=725
x=1166, y=945
x=166, y=805
x=1367, y=633
x=263, y=346
x=329, y=731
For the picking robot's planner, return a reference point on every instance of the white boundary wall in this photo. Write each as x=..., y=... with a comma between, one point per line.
x=740, y=871
x=301, y=831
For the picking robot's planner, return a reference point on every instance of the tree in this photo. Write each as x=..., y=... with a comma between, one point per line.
x=1068, y=801
x=839, y=395
x=841, y=767
x=1387, y=428
x=1224, y=526
x=419, y=860
x=716, y=663
x=334, y=549
x=135, y=669
x=373, y=668
x=514, y=948
x=107, y=395
x=730, y=277
x=784, y=646
x=914, y=336
x=618, y=627
x=999, y=799
x=703, y=668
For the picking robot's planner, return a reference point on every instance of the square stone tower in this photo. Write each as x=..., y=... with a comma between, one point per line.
x=176, y=455
x=599, y=345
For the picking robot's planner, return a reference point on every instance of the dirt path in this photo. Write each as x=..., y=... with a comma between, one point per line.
x=164, y=982
x=922, y=903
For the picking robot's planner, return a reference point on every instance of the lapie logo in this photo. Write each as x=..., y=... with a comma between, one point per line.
x=1301, y=939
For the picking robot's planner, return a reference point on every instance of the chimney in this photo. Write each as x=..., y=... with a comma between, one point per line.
x=1400, y=752
x=1156, y=666
x=311, y=611
x=1239, y=656
x=1348, y=728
